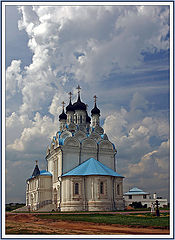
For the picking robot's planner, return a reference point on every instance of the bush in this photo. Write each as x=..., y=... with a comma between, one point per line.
x=136, y=205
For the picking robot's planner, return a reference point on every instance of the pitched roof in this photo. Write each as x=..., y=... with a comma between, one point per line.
x=36, y=171
x=92, y=167
x=135, y=191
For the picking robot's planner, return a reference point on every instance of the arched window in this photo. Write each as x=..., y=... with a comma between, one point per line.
x=101, y=188
x=76, y=189
x=71, y=119
x=80, y=118
x=75, y=118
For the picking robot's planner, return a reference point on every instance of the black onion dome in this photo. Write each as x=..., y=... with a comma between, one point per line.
x=62, y=116
x=95, y=110
x=70, y=107
x=79, y=105
x=88, y=119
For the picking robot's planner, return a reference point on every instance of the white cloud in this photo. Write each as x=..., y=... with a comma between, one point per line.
x=144, y=165
x=151, y=163
x=15, y=125
x=115, y=39
x=152, y=171
x=36, y=137
x=13, y=78
x=113, y=42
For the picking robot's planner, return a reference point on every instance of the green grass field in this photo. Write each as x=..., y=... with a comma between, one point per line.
x=127, y=220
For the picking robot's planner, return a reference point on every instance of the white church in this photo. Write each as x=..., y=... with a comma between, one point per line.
x=81, y=167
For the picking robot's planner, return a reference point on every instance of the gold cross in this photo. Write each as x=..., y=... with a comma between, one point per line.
x=36, y=162
x=95, y=98
x=70, y=94
x=78, y=88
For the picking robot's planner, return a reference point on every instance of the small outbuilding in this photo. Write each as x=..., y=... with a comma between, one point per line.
x=145, y=198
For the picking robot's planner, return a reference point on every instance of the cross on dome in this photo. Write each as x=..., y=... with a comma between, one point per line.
x=95, y=98
x=36, y=162
x=70, y=108
x=78, y=89
x=79, y=105
x=95, y=110
x=63, y=116
x=63, y=104
x=70, y=94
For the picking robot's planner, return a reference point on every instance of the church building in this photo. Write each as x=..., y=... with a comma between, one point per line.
x=81, y=171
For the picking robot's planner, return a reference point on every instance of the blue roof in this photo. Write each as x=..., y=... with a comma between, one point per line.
x=45, y=173
x=42, y=172
x=135, y=191
x=113, y=146
x=92, y=167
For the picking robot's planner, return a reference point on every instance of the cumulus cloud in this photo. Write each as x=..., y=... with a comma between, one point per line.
x=13, y=78
x=142, y=163
x=152, y=170
x=116, y=40
x=35, y=137
x=15, y=125
x=152, y=163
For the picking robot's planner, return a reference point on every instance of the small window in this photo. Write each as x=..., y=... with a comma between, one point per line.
x=144, y=196
x=130, y=196
x=118, y=189
x=76, y=188
x=101, y=188
x=71, y=119
x=80, y=119
x=75, y=118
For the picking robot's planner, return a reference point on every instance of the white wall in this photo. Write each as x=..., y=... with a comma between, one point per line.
x=88, y=149
x=106, y=154
x=40, y=189
x=89, y=197
x=147, y=201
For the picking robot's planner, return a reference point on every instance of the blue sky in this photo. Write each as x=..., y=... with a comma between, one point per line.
x=119, y=53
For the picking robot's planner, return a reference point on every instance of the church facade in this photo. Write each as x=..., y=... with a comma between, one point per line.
x=81, y=171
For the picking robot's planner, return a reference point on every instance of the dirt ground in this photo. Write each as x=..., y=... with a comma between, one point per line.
x=29, y=224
